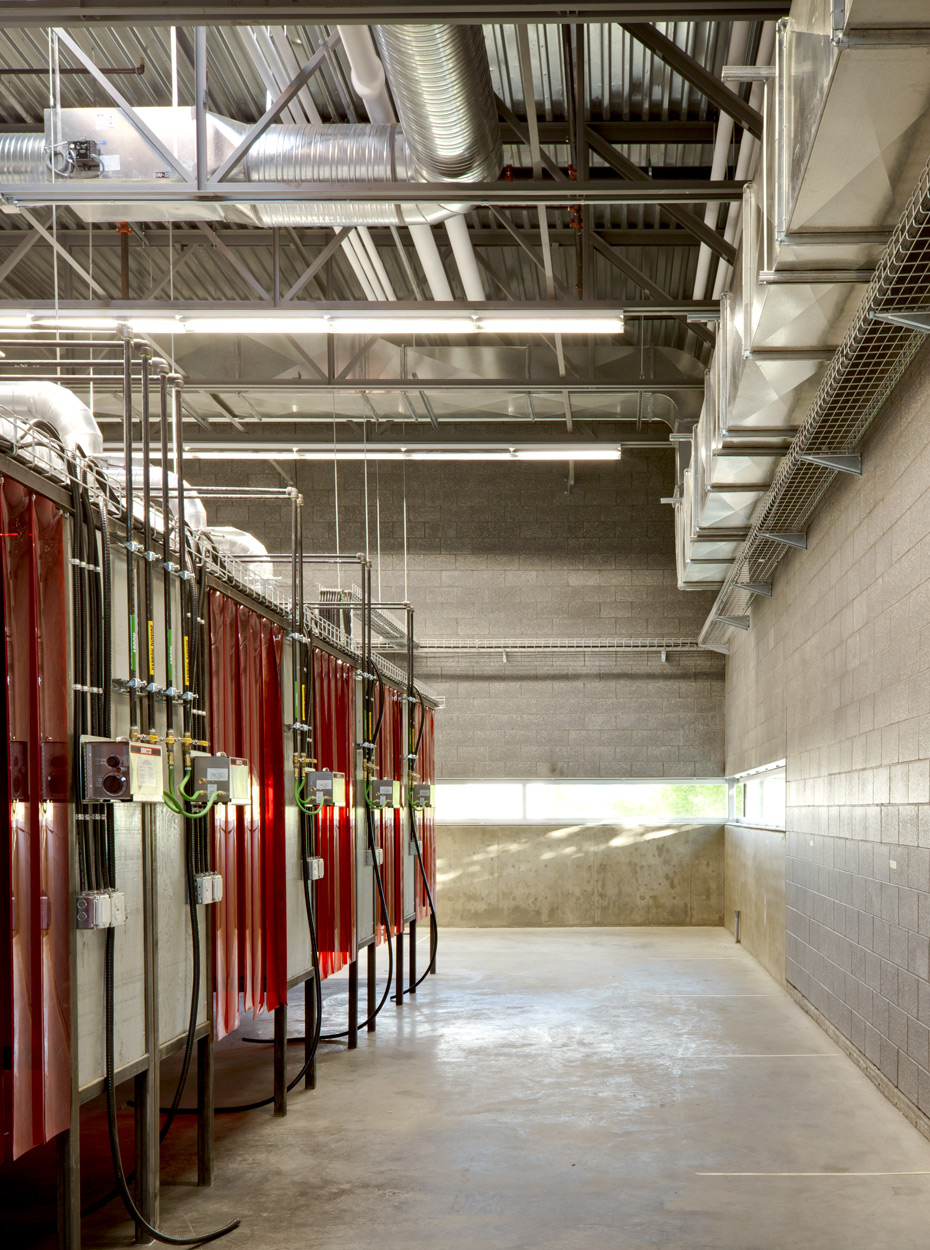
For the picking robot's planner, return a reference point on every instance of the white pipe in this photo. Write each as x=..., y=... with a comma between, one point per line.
x=747, y=152
x=258, y=58
x=464, y=254
x=292, y=69
x=367, y=72
x=431, y=261
x=374, y=255
x=739, y=37
x=279, y=78
x=370, y=270
x=350, y=248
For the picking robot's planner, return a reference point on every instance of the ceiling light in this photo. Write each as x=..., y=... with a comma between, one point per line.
x=76, y=323
x=428, y=323
x=567, y=453
x=256, y=325
x=544, y=324
x=15, y=323
x=156, y=325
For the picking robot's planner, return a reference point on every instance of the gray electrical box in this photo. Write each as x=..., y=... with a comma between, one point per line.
x=383, y=794
x=116, y=771
x=323, y=789
x=224, y=775
x=100, y=909
x=422, y=795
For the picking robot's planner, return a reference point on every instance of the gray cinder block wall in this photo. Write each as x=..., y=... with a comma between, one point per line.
x=834, y=676
x=498, y=550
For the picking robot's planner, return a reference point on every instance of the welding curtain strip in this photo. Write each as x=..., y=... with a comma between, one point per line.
x=35, y=917
x=246, y=720
x=334, y=736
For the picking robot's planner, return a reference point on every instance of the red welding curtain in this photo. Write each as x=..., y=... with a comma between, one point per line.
x=35, y=1023
x=334, y=736
x=390, y=824
x=250, y=921
x=426, y=820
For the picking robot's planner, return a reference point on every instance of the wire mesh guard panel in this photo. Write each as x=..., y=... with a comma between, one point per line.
x=35, y=1021
x=426, y=820
x=334, y=738
x=250, y=921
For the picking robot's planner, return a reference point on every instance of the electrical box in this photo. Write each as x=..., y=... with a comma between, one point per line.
x=208, y=887
x=379, y=856
x=422, y=795
x=122, y=771
x=221, y=774
x=324, y=789
x=100, y=909
x=384, y=794
x=313, y=868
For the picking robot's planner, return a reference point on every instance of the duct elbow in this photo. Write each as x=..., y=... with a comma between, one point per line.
x=53, y=405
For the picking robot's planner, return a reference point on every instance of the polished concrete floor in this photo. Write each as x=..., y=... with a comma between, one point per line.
x=573, y=1089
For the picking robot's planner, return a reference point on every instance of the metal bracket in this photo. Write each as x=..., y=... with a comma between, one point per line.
x=738, y=622
x=851, y=463
x=755, y=588
x=789, y=539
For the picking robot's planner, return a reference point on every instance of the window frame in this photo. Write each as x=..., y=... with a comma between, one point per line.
x=523, y=782
x=776, y=769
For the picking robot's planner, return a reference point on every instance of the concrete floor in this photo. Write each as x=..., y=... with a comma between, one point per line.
x=568, y=1089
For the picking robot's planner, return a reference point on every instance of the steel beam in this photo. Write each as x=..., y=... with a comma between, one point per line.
x=245, y=12
x=518, y=192
x=696, y=74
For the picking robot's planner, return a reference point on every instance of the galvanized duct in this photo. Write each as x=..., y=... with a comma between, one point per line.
x=31, y=402
x=867, y=365
x=441, y=83
x=23, y=157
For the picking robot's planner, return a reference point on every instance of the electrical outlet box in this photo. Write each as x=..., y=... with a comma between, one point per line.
x=217, y=886
x=117, y=771
x=422, y=795
x=100, y=909
x=379, y=853
x=313, y=868
x=203, y=887
x=221, y=774
x=384, y=794
x=324, y=789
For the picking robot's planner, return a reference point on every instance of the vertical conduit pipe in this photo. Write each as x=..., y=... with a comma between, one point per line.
x=130, y=545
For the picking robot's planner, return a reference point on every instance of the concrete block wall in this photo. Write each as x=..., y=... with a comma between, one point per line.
x=501, y=550
x=834, y=675
x=556, y=875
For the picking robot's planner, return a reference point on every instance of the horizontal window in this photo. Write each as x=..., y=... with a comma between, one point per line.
x=758, y=797
x=580, y=802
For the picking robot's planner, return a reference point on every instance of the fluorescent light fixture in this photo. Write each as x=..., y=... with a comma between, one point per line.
x=567, y=453
x=404, y=324
x=256, y=325
x=156, y=325
x=76, y=323
x=546, y=324
x=15, y=323
x=428, y=451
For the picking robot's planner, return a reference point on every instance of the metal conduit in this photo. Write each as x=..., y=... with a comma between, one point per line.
x=866, y=366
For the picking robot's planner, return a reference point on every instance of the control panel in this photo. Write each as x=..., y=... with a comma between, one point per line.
x=224, y=775
x=118, y=771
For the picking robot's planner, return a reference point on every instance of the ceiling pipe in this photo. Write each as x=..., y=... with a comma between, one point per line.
x=736, y=55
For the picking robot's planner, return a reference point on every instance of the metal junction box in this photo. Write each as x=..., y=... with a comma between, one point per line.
x=384, y=794
x=422, y=795
x=221, y=774
x=324, y=789
x=122, y=771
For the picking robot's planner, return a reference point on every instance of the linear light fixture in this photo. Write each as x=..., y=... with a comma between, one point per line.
x=433, y=451
x=427, y=320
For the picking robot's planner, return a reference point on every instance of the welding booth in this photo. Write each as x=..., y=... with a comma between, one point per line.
x=218, y=789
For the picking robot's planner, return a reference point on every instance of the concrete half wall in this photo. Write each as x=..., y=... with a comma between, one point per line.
x=558, y=875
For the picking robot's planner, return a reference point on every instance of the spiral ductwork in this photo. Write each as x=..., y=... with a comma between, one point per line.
x=23, y=157
x=441, y=83
x=33, y=402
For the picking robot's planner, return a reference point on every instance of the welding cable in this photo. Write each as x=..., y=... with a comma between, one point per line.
x=433, y=922
x=113, y=1128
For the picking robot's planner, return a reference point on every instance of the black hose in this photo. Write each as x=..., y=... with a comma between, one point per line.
x=112, y=1126
x=433, y=921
